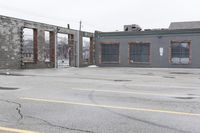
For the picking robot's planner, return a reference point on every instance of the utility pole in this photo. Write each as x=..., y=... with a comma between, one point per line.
x=80, y=25
x=78, y=45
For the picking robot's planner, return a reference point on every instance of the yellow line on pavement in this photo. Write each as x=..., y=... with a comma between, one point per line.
x=5, y=129
x=113, y=107
x=131, y=92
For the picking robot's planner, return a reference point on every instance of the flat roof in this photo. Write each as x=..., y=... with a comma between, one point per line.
x=185, y=25
x=148, y=32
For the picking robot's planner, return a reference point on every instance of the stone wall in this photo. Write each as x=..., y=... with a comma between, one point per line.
x=11, y=43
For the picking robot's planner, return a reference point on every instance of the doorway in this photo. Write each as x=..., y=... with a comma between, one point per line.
x=63, y=51
x=86, y=51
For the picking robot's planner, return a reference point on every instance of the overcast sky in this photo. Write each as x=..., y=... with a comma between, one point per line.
x=103, y=15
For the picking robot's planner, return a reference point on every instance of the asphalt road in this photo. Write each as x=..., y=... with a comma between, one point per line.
x=100, y=100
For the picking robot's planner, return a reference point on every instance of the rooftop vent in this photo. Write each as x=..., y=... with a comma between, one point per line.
x=133, y=27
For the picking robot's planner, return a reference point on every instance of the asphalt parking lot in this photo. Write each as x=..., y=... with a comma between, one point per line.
x=100, y=100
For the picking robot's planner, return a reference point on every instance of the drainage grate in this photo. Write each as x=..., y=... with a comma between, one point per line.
x=8, y=88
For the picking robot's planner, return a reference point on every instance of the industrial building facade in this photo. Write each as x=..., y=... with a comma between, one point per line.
x=177, y=46
x=27, y=44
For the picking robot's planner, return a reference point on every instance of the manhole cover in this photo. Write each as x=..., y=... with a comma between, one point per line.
x=185, y=98
x=8, y=88
x=122, y=80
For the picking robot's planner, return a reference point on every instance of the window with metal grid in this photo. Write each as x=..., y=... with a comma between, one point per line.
x=139, y=52
x=110, y=53
x=180, y=52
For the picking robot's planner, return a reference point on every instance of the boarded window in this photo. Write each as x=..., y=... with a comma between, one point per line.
x=110, y=53
x=28, y=45
x=47, y=46
x=180, y=52
x=139, y=52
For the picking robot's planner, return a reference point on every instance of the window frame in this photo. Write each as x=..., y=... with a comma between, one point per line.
x=190, y=52
x=139, y=43
x=49, y=46
x=35, y=45
x=109, y=62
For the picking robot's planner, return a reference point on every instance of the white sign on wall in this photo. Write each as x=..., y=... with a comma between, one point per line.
x=161, y=50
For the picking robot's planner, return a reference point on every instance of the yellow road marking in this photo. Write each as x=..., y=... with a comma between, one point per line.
x=131, y=92
x=112, y=107
x=15, y=130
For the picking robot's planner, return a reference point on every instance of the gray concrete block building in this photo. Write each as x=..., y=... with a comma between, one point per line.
x=177, y=46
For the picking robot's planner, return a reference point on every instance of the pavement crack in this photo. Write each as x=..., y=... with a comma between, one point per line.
x=92, y=99
x=18, y=108
x=58, y=126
